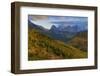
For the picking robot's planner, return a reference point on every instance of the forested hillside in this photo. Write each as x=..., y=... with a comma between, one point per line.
x=42, y=47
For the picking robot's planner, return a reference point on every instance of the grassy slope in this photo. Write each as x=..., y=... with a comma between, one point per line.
x=79, y=41
x=42, y=47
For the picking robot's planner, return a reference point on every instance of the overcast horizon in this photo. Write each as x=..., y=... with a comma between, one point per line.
x=47, y=21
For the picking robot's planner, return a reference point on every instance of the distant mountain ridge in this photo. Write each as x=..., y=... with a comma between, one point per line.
x=62, y=33
x=71, y=28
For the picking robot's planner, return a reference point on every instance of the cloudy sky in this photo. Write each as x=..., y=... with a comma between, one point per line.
x=47, y=21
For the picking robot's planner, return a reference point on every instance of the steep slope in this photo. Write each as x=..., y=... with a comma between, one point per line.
x=41, y=47
x=80, y=41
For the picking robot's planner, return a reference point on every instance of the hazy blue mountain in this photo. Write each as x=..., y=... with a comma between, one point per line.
x=54, y=28
x=71, y=26
x=62, y=32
